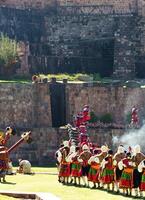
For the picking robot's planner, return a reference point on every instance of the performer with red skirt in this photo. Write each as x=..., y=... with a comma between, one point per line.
x=141, y=169
x=93, y=175
x=126, y=180
x=108, y=170
x=64, y=171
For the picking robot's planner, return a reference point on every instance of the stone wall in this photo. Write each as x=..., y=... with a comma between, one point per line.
x=25, y=105
x=119, y=5
x=28, y=107
x=47, y=140
x=116, y=100
x=90, y=37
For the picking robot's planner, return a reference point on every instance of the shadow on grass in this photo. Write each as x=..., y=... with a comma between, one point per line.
x=9, y=183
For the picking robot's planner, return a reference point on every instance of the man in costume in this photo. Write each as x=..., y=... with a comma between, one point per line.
x=134, y=117
x=137, y=158
x=24, y=167
x=118, y=156
x=83, y=159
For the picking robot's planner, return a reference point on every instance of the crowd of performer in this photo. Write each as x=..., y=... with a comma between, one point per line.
x=121, y=172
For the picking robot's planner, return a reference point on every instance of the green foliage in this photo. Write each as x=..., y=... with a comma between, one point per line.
x=69, y=77
x=96, y=77
x=106, y=118
x=8, y=51
x=128, y=118
x=93, y=117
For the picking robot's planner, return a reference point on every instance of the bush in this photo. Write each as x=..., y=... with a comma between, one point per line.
x=128, y=118
x=93, y=117
x=106, y=118
x=9, y=59
x=8, y=51
x=96, y=77
x=84, y=77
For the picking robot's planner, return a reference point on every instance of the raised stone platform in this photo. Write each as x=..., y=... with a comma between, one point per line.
x=36, y=196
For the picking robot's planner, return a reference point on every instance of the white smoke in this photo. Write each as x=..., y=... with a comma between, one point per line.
x=131, y=138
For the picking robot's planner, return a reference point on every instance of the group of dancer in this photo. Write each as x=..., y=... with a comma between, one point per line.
x=120, y=172
x=84, y=164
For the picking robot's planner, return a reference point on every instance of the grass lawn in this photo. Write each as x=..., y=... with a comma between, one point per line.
x=2, y=197
x=48, y=183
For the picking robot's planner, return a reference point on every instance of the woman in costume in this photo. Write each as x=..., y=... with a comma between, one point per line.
x=108, y=171
x=64, y=171
x=126, y=180
x=94, y=163
x=141, y=169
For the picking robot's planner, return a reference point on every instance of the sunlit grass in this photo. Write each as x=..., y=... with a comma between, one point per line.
x=48, y=183
x=3, y=197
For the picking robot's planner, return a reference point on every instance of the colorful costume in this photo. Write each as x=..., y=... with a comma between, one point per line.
x=108, y=170
x=141, y=169
x=137, y=158
x=64, y=170
x=126, y=180
x=134, y=116
x=75, y=166
x=83, y=158
x=93, y=175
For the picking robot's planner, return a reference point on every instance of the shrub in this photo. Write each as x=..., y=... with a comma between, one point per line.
x=8, y=51
x=106, y=118
x=128, y=118
x=96, y=77
x=93, y=117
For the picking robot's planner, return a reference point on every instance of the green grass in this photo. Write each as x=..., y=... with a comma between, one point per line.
x=3, y=197
x=49, y=183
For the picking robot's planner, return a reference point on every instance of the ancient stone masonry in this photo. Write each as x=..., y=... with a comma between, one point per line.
x=71, y=36
x=124, y=50
x=28, y=107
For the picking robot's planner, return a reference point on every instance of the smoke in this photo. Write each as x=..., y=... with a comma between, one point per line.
x=131, y=138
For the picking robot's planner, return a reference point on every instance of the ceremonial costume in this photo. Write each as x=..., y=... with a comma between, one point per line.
x=116, y=159
x=25, y=166
x=76, y=167
x=83, y=159
x=137, y=158
x=141, y=169
x=64, y=165
x=93, y=175
x=134, y=116
x=126, y=180
x=108, y=169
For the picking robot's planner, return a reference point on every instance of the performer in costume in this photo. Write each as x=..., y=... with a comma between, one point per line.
x=126, y=180
x=76, y=166
x=101, y=156
x=137, y=158
x=64, y=171
x=83, y=159
x=108, y=170
x=86, y=114
x=118, y=156
x=24, y=167
x=134, y=117
x=69, y=159
x=93, y=175
x=141, y=169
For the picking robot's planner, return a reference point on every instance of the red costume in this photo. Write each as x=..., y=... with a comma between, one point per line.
x=134, y=116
